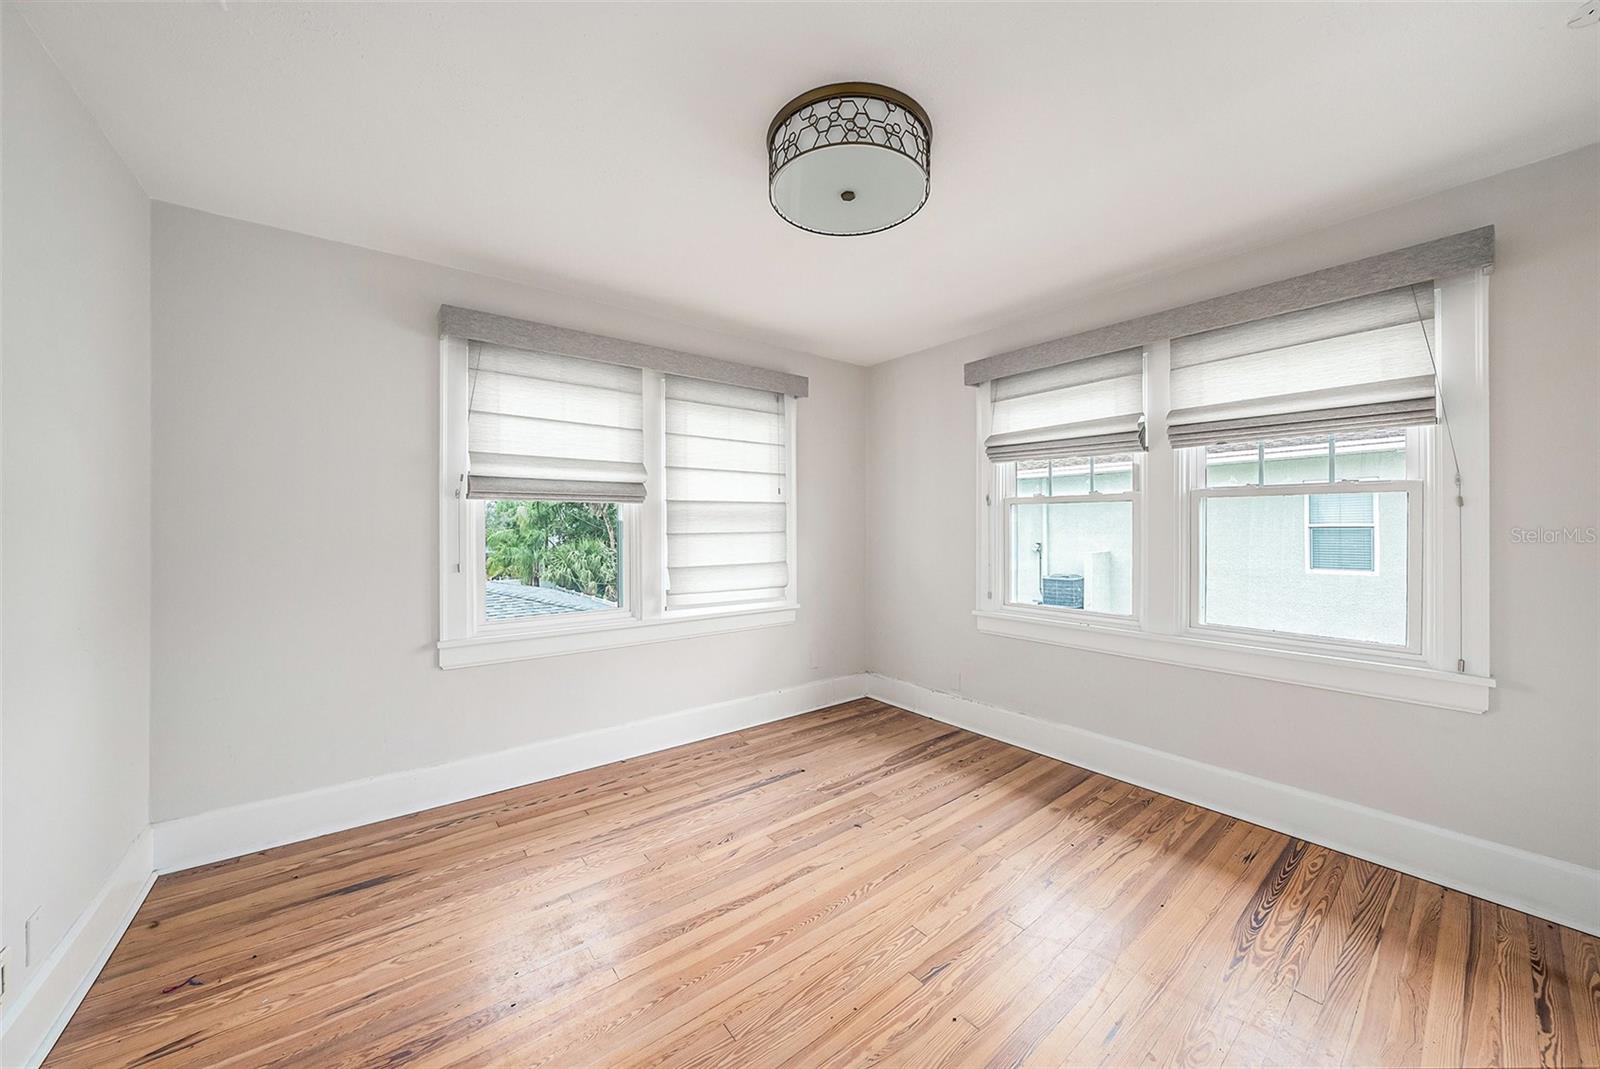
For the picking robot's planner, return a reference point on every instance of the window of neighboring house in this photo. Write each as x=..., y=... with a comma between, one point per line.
x=1342, y=533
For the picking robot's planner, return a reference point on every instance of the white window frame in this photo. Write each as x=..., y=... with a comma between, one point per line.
x=1006, y=483
x=1377, y=544
x=466, y=638
x=1445, y=663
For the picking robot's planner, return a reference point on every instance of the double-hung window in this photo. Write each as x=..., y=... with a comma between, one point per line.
x=597, y=492
x=1289, y=482
x=1294, y=432
x=1064, y=440
x=555, y=466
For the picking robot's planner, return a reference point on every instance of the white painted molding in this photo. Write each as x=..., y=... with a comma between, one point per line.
x=38, y=1015
x=612, y=634
x=1412, y=684
x=242, y=829
x=1541, y=886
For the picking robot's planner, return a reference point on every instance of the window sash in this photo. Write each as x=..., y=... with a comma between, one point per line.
x=1193, y=545
x=475, y=513
x=1003, y=480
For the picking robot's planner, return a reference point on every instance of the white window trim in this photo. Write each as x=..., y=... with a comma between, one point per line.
x=1447, y=667
x=466, y=638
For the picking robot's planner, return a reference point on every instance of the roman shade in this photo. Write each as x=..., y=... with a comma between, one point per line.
x=552, y=428
x=1085, y=406
x=727, y=463
x=504, y=331
x=1438, y=259
x=1355, y=364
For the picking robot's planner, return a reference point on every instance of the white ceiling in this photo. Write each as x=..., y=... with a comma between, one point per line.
x=615, y=152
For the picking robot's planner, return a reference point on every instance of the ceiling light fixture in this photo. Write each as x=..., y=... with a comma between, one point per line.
x=849, y=158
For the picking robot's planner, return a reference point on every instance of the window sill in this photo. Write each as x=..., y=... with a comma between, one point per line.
x=604, y=635
x=1374, y=679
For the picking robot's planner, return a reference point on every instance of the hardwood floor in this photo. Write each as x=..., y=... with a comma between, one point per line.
x=852, y=885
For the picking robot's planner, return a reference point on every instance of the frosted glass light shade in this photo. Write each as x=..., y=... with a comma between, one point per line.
x=850, y=158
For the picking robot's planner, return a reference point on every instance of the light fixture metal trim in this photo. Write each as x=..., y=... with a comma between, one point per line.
x=854, y=116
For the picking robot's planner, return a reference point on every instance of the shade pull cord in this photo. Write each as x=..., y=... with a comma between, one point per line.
x=1461, y=501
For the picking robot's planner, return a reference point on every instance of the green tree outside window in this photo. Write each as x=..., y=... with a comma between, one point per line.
x=569, y=544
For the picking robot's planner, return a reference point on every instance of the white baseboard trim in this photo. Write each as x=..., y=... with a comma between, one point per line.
x=242, y=829
x=38, y=1015
x=1542, y=886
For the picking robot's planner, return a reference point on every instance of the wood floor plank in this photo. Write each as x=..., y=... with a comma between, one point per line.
x=1259, y=959
x=1581, y=954
x=853, y=885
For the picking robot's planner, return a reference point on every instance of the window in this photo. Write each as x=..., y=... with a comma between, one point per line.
x=550, y=558
x=727, y=507
x=591, y=503
x=1070, y=524
x=1062, y=440
x=1291, y=532
x=1285, y=538
x=1342, y=533
x=1308, y=509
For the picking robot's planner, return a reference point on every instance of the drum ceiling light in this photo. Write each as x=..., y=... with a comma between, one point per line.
x=849, y=158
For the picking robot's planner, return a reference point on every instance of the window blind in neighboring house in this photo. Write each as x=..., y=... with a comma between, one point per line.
x=1343, y=549
x=727, y=462
x=1084, y=406
x=553, y=428
x=1354, y=364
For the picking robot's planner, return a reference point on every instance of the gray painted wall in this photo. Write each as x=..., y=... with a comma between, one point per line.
x=1523, y=774
x=74, y=503
x=296, y=527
